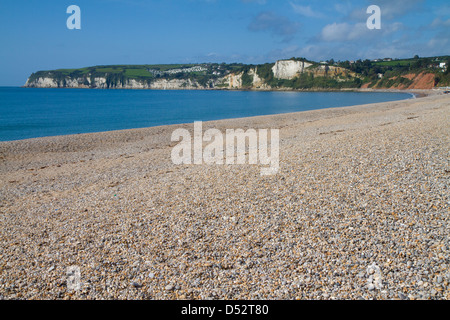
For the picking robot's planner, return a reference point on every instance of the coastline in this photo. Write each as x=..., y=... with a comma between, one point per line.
x=123, y=135
x=413, y=93
x=421, y=92
x=357, y=185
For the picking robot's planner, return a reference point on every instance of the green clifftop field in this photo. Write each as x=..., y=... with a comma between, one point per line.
x=294, y=74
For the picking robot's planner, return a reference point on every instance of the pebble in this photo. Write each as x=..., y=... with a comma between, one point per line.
x=401, y=296
x=359, y=211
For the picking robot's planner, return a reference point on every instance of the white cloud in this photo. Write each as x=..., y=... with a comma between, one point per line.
x=343, y=7
x=390, y=9
x=343, y=32
x=275, y=24
x=441, y=10
x=255, y=1
x=437, y=23
x=306, y=11
x=440, y=43
x=393, y=9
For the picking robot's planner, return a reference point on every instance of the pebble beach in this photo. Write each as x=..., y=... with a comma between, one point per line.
x=358, y=210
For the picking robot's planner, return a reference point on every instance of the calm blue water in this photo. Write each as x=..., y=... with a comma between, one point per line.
x=29, y=113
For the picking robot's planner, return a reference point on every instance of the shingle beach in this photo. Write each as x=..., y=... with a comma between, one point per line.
x=358, y=210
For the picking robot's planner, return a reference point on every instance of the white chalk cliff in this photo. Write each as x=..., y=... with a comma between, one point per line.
x=249, y=79
x=289, y=69
x=258, y=83
x=233, y=81
x=101, y=83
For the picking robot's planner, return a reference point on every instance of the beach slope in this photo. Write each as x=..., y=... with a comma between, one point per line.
x=359, y=209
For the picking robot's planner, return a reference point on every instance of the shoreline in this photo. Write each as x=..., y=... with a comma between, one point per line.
x=415, y=94
x=357, y=186
x=422, y=91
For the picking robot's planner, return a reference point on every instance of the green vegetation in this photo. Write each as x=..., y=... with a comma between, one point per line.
x=265, y=72
x=376, y=74
x=396, y=63
x=393, y=72
x=247, y=80
x=137, y=73
x=387, y=82
x=309, y=81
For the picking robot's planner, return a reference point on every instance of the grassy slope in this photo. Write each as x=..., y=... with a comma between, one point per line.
x=396, y=73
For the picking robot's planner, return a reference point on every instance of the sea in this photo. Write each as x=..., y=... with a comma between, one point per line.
x=34, y=112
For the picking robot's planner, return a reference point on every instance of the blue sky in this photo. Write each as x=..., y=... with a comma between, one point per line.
x=34, y=36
